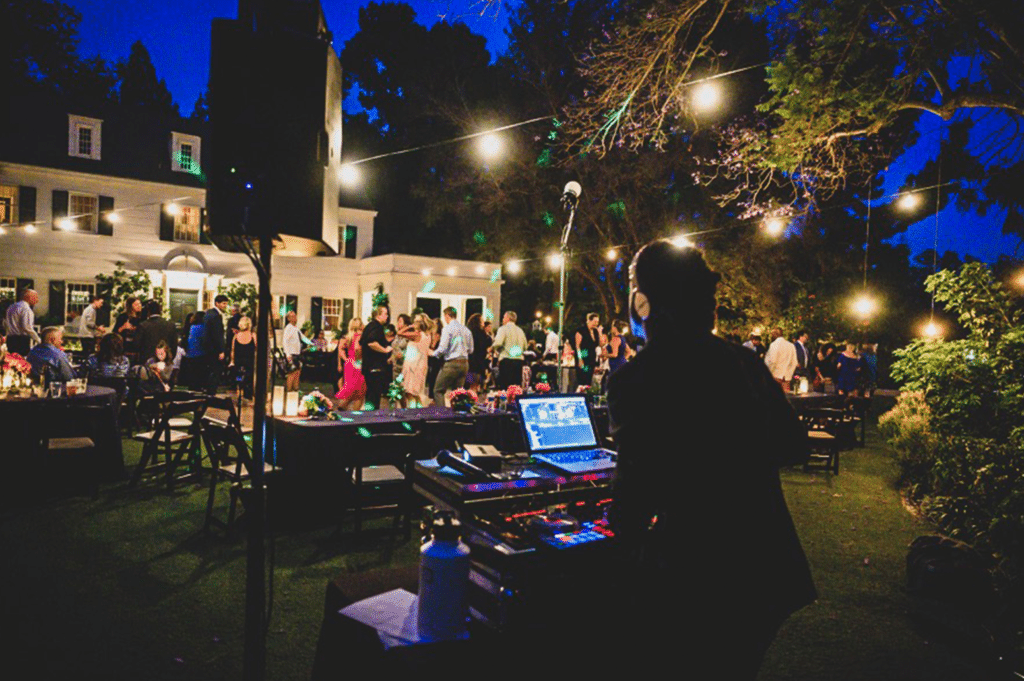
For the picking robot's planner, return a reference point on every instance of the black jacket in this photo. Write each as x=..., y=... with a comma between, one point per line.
x=213, y=333
x=702, y=429
x=151, y=332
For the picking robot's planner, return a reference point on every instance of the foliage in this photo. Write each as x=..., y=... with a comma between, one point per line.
x=122, y=284
x=380, y=299
x=959, y=428
x=246, y=296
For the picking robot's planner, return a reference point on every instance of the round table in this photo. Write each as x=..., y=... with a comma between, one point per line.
x=24, y=422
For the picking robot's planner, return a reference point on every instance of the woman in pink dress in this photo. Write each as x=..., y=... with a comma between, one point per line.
x=352, y=386
x=414, y=370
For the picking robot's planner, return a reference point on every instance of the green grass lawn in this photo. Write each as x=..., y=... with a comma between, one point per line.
x=127, y=587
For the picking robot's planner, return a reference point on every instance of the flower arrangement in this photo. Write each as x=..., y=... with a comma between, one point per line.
x=513, y=392
x=15, y=363
x=582, y=389
x=461, y=399
x=396, y=391
x=316, y=406
x=542, y=388
x=14, y=374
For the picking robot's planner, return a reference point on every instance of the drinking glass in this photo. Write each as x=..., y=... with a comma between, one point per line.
x=56, y=389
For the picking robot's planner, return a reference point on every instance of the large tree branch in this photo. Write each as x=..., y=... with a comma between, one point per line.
x=965, y=100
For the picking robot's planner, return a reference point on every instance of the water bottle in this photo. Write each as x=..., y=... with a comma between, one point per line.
x=444, y=580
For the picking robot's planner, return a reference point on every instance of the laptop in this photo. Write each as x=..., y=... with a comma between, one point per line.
x=559, y=432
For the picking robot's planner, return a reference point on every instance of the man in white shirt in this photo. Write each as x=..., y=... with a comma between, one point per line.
x=509, y=343
x=293, y=340
x=89, y=327
x=20, y=320
x=781, y=359
x=454, y=348
x=551, y=346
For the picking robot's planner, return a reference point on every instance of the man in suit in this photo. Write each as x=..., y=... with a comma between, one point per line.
x=155, y=329
x=678, y=520
x=803, y=353
x=213, y=341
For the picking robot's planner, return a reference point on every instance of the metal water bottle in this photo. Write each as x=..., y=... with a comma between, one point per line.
x=444, y=580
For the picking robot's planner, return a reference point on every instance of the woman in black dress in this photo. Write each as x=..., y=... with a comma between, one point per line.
x=243, y=357
x=478, y=358
x=127, y=325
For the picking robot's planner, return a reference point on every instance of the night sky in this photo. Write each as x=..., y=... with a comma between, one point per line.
x=177, y=36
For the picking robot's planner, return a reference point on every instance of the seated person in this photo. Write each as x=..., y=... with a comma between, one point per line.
x=110, y=360
x=156, y=375
x=49, y=357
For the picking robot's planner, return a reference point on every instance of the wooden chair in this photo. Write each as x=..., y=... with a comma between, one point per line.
x=176, y=443
x=381, y=466
x=857, y=412
x=75, y=449
x=230, y=462
x=823, y=444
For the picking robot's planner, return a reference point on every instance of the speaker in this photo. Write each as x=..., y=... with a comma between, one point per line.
x=274, y=152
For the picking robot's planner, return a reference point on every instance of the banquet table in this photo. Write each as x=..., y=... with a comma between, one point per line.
x=24, y=422
x=815, y=400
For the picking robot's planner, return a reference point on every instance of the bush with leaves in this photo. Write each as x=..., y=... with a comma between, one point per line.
x=244, y=295
x=958, y=428
x=122, y=284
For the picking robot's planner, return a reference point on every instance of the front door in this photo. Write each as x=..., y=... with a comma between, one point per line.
x=183, y=304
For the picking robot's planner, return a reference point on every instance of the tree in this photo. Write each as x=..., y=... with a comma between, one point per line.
x=122, y=284
x=845, y=82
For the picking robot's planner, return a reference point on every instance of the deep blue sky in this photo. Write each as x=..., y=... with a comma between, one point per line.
x=177, y=35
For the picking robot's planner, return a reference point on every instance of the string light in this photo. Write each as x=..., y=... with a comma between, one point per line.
x=515, y=267
x=173, y=209
x=681, y=241
x=113, y=217
x=612, y=254
x=490, y=146
x=864, y=305
x=555, y=260
x=774, y=226
x=30, y=229
x=452, y=272
x=425, y=272
x=349, y=175
x=931, y=330
x=66, y=224
x=539, y=314
x=706, y=96
x=909, y=201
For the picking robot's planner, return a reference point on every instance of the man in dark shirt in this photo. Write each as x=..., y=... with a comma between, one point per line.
x=715, y=548
x=376, y=349
x=154, y=330
x=213, y=342
x=585, y=345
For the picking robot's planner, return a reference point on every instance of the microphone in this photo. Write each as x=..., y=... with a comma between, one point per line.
x=446, y=458
x=571, y=194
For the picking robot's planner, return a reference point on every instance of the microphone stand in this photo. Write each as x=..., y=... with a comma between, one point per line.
x=569, y=201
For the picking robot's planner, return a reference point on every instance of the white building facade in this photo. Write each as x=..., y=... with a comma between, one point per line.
x=61, y=226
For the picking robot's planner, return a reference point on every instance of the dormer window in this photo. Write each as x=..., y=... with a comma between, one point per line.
x=185, y=153
x=84, y=135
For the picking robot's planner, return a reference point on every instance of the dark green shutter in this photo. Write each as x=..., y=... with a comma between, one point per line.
x=103, y=314
x=204, y=238
x=105, y=224
x=26, y=204
x=316, y=311
x=60, y=206
x=166, y=224
x=347, y=312
x=24, y=283
x=291, y=304
x=56, y=308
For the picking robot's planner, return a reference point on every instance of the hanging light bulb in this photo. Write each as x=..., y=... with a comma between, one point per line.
x=681, y=241
x=909, y=201
x=864, y=305
x=775, y=227
x=514, y=267
x=931, y=330
x=555, y=260
x=611, y=254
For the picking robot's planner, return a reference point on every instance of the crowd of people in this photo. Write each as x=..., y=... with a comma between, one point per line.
x=428, y=358
x=844, y=367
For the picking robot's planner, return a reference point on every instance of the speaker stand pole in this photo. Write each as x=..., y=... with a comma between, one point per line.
x=255, y=659
x=563, y=254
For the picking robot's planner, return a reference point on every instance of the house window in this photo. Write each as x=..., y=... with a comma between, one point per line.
x=82, y=212
x=84, y=137
x=184, y=153
x=332, y=313
x=186, y=224
x=208, y=299
x=8, y=205
x=78, y=296
x=8, y=288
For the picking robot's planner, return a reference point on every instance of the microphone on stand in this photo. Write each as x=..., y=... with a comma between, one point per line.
x=571, y=195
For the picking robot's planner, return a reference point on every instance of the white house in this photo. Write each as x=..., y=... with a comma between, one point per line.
x=71, y=211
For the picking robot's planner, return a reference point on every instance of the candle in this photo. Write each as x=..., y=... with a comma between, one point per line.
x=278, y=405
x=803, y=384
x=291, y=404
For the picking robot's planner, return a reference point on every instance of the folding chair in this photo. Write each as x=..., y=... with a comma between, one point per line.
x=176, y=434
x=381, y=468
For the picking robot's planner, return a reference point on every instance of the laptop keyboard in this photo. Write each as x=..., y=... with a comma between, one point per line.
x=577, y=457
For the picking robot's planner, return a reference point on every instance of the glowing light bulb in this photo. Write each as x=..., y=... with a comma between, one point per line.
x=612, y=254
x=113, y=218
x=66, y=224
x=864, y=306
x=681, y=241
x=555, y=260
x=349, y=175
x=490, y=146
x=452, y=271
x=425, y=271
x=775, y=226
x=909, y=201
x=173, y=209
x=30, y=229
x=538, y=314
x=515, y=267
x=2, y=231
x=706, y=96
x=932, y=330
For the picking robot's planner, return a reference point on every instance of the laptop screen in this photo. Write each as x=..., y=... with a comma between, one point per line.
x=559, y=422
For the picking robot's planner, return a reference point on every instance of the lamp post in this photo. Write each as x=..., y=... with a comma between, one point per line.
x=570, y=199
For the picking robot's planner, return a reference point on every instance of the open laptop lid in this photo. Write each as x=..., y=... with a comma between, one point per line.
x=556, y=423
